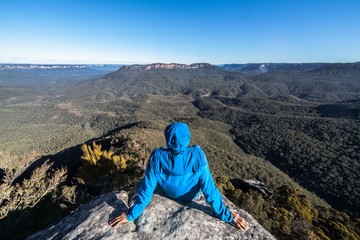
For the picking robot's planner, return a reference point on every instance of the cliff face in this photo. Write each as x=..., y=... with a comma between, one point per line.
x=162, y=219
x=169, y=66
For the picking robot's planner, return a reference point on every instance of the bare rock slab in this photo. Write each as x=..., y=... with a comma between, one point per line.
x=162, y=219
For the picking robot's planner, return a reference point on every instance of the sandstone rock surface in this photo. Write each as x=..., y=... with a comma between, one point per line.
x=162, y=219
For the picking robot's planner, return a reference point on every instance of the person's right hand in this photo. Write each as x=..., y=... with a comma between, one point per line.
x=116, y=222
x=239, y=222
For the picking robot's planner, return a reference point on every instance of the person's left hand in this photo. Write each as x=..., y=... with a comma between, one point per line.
x=116, y=222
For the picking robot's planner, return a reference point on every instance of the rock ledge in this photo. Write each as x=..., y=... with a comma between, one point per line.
x=162, y=219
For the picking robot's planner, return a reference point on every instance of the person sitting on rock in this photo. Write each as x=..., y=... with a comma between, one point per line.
x=181, y=172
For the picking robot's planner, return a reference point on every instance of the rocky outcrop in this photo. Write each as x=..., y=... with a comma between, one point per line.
x=162, y=219
x=246, y=185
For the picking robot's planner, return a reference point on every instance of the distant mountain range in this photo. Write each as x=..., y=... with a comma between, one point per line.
x=100, y=67
x=170, y=66
x=258, y=68
x=38, y=74
x=312, y=81
x=195, y=80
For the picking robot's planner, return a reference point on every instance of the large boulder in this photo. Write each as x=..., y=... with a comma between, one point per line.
x=162, y=219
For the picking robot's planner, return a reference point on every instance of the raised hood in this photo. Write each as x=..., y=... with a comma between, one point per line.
x=177, y=136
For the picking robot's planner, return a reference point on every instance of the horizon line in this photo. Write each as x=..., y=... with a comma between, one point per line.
x=67, y=63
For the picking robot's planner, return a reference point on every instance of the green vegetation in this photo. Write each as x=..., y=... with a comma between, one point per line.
x=319, y=153
x=265, y=127
x=290, y=213
x=50, y=124
x=331, y=82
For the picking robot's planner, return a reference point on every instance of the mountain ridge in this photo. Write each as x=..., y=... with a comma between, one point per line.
x=199, y=80
x=258, y=68
x=168, y=66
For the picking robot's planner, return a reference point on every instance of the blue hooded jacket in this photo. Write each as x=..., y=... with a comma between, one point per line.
x=181, y=171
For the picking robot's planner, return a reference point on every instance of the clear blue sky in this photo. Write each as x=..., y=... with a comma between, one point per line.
x=183, y=31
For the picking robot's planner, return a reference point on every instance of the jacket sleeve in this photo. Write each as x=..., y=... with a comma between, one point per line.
x=145, y=192
x=213, y=195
